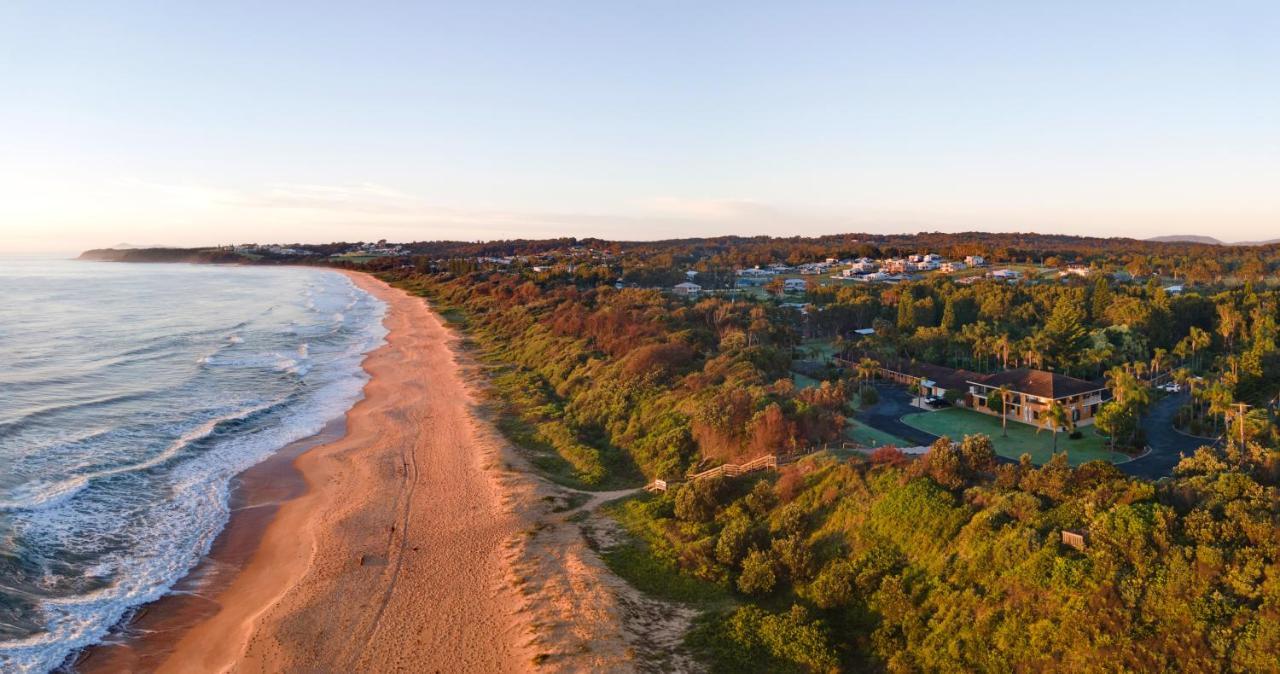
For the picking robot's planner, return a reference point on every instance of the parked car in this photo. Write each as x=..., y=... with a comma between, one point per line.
x=1171, y=387
x=937, y=401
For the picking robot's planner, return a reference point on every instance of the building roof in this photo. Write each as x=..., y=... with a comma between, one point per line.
x=1048, y=385
x=940, y=375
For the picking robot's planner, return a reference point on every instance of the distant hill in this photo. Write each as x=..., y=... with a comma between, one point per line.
x=1209, y=240
x=133, y=246
x=1188, y=238
x=216, y=255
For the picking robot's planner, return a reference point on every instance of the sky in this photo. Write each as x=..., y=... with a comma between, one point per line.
x=184, y=123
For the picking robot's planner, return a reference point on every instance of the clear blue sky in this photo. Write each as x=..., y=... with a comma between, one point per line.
x=237, y=121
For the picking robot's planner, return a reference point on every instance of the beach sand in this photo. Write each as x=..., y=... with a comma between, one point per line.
x=395, y=557
x=417, y=541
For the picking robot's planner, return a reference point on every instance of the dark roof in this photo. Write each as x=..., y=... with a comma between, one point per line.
x=1039, y=383
x=946, y=377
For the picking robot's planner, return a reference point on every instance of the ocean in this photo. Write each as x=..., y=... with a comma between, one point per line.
x=131, y=395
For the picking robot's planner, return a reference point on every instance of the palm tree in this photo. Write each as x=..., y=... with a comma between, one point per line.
x=1195, y=340
x=1157, y=359
x=1056, y=418
x=1002, y=346
x=1004, y=410
x=866, y=369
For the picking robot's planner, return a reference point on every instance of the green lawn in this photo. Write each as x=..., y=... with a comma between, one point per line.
x=866, y=436
x=804, y=381
x=957, y=423
x=824, y=348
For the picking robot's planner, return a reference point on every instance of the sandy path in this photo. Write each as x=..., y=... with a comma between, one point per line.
x=399, y=557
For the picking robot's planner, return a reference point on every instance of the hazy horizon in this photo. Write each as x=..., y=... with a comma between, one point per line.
x=235, y=123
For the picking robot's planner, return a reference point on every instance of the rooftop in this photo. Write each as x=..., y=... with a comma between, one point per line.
x=1048, y=385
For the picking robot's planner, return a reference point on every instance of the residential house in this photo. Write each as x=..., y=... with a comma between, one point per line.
x=974, y=260
x=1031, y=392
x=1076, y=270
x=1006, y=274
x=795, y=285
x=687, y=289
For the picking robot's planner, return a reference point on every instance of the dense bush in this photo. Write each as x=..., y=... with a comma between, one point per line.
x=952, y=563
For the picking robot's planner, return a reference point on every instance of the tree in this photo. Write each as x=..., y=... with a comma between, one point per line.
x=759, y=573
x=1064, y=334
x=906, y=312
x=866, y=369
x=1117, y=420
x=1004, y=392
x=1056, y=418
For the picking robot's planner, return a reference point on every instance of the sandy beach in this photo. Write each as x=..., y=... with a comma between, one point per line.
x=397, y=556
x=409, y=537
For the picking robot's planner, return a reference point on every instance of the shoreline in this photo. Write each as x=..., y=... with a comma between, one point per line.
x=146, y=637
x=348, y=575
x=408, y=535
x=289, y=566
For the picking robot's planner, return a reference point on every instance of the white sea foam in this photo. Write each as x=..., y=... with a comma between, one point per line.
x=177, y=523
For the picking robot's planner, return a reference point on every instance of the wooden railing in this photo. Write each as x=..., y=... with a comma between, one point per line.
x=766, y=462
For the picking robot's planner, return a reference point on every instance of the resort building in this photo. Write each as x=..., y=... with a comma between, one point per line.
x=1031, y=392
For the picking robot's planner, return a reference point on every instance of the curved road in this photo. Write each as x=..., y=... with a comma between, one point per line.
x=1167, y=445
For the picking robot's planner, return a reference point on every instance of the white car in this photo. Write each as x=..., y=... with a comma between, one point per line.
x=1171, y=387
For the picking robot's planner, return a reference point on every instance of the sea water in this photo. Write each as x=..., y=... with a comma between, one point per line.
x=130, y=397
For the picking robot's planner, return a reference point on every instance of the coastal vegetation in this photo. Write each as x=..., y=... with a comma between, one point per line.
x=957, y=559
x=953, y=561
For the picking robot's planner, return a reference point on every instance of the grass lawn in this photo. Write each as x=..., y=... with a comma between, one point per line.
x=804, y=381
x=866, y=436
x=957, y=423
x=824, y=348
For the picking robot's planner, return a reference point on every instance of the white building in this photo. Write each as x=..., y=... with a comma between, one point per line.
x=1006, y=274
x=974, y=260
x=949, y=267
x=687, y=289
x=795, y=285
x=1075, y=270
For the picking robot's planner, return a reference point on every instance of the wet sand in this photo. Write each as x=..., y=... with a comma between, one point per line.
x=409, y=538
x=150, y=634
x=393, y=559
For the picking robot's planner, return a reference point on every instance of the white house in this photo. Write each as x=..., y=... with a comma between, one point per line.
x=1006, y=274
x=974, y=260
x=795, y=285
x=687, y=289
x=949, y=267
x=1075, y=270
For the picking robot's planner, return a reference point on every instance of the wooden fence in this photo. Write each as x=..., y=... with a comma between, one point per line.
x=766, y=462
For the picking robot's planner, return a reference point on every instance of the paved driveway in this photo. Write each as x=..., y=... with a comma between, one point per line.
x=886, y=415
x=1167, y=445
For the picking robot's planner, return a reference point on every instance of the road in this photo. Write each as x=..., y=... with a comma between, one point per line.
x=886, y=415
x=1167, y=445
